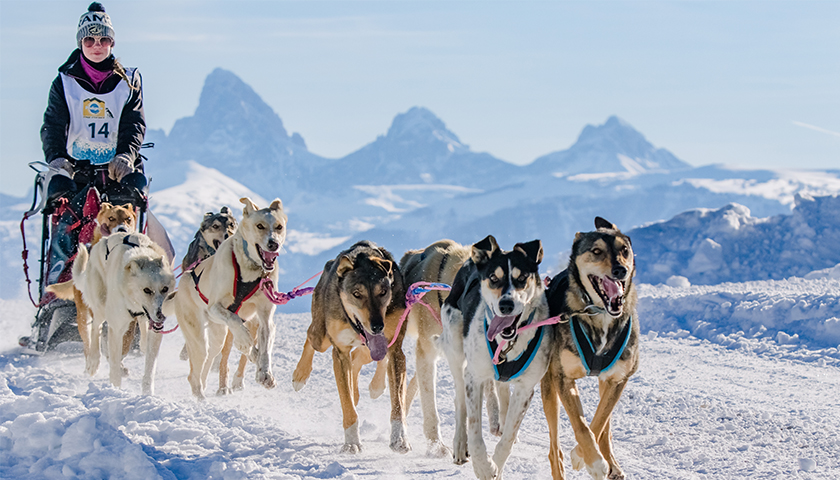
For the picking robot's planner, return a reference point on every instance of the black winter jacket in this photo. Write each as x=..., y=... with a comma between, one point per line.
x=132, y=126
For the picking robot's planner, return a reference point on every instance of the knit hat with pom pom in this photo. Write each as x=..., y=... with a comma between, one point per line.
x=94, y=23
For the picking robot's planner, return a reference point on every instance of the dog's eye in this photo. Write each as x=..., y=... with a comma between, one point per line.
x=147, y=291
x=112, y=219
x=383, y=292
x=357, y=294
x=279, y=228
x=625, y=251
x=260, y=226
x=215, y=227
x=597, y=251
x=164, y=289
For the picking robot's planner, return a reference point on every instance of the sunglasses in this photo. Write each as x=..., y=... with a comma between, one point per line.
x=91, y=41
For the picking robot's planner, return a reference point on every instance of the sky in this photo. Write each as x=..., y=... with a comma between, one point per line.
x=744, y=83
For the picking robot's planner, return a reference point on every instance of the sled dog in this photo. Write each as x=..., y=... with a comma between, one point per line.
x=356, y=307
x=224, y=292
x=495, y=294
x=214, y=229
x=437, y=263
x=601, y=339
x=110, y=219
x=125, y=278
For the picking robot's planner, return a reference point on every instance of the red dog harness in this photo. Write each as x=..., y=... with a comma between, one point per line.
x=242, y=291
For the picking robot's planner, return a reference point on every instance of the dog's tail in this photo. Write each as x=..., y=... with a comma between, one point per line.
x=64, y=290
x=80, y=264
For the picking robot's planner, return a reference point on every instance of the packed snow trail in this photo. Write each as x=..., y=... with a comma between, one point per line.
x=695, y=409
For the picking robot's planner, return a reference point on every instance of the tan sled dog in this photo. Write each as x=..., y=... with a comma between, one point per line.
x=224, y=292
x=600, y=338
x=125, y=278
x=110, y=219
x=356, y=307
x=437, y=263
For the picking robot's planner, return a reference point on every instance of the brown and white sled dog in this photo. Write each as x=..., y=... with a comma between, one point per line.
x=601, y=338
x=495, y=294
x=356, y=307
x=125, y=278
x=437, y=263
x=223, y=293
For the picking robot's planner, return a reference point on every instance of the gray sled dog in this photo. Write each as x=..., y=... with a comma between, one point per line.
x=125, y=278
x=495, y=295
x=214, y=229
x=356, y=307
x=601, y=339
x=223, y=294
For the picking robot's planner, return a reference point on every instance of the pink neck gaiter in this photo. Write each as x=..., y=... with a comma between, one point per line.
x=96, y=76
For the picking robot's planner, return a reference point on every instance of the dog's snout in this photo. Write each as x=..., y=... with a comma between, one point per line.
x=272, y=245
x=619, y=272
x=121, y=228
x=506, y=306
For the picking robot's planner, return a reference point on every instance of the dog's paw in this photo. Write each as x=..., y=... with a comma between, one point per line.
x=265, y=378
x=399, y=441
x=222, y=391
x=91, y=366
x=495, y=428
x=436, y=449
x=485, y=469
x=376, y=391
x=461, y=454
x=351, y=448
x=238, y=383
x=123, y=370
x=616, y=473
x=598, y=470
x=299, y=378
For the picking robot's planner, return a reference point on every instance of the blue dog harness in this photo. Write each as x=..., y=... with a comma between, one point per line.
x=509, y=369
x=595, y=364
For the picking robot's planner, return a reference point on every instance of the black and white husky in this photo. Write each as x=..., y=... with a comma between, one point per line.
x=495, y=296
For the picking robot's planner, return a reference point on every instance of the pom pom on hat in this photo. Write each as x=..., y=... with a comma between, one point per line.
x=94, y=23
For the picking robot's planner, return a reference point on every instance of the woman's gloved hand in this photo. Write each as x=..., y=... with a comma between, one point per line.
x=62, y=164
x=120, y=166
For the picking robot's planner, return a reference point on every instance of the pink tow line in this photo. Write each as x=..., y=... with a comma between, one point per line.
x=548, y=321
x=413, y=295
x=280, y=298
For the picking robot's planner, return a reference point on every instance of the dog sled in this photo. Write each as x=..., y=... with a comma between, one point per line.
x=68, y=210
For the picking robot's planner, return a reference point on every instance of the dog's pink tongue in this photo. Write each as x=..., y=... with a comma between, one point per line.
x=268, y=257
x=611, y=287
x=378, y=346
x=498, y=324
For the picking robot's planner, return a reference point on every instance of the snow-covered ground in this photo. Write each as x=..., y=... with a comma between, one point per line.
x=737, y=381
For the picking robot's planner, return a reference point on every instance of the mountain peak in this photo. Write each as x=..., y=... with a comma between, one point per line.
x=614, y=147
x=419, y=123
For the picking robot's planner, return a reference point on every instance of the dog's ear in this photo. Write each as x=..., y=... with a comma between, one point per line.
x=105, y=205
x=600, y=223
x=225, y=210
x=208, y=215
x=578, y=236
x=250, y=206
x=276, y=204
x=483, y=250
x=128, y=207
x=532, y=250
x=345, y=264
x=387, y=265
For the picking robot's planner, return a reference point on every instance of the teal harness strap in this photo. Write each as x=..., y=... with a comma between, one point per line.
x=510, y=369
x=596, y=364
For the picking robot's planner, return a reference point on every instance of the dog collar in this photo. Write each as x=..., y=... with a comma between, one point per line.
x=509, y=369
x=596, y=364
